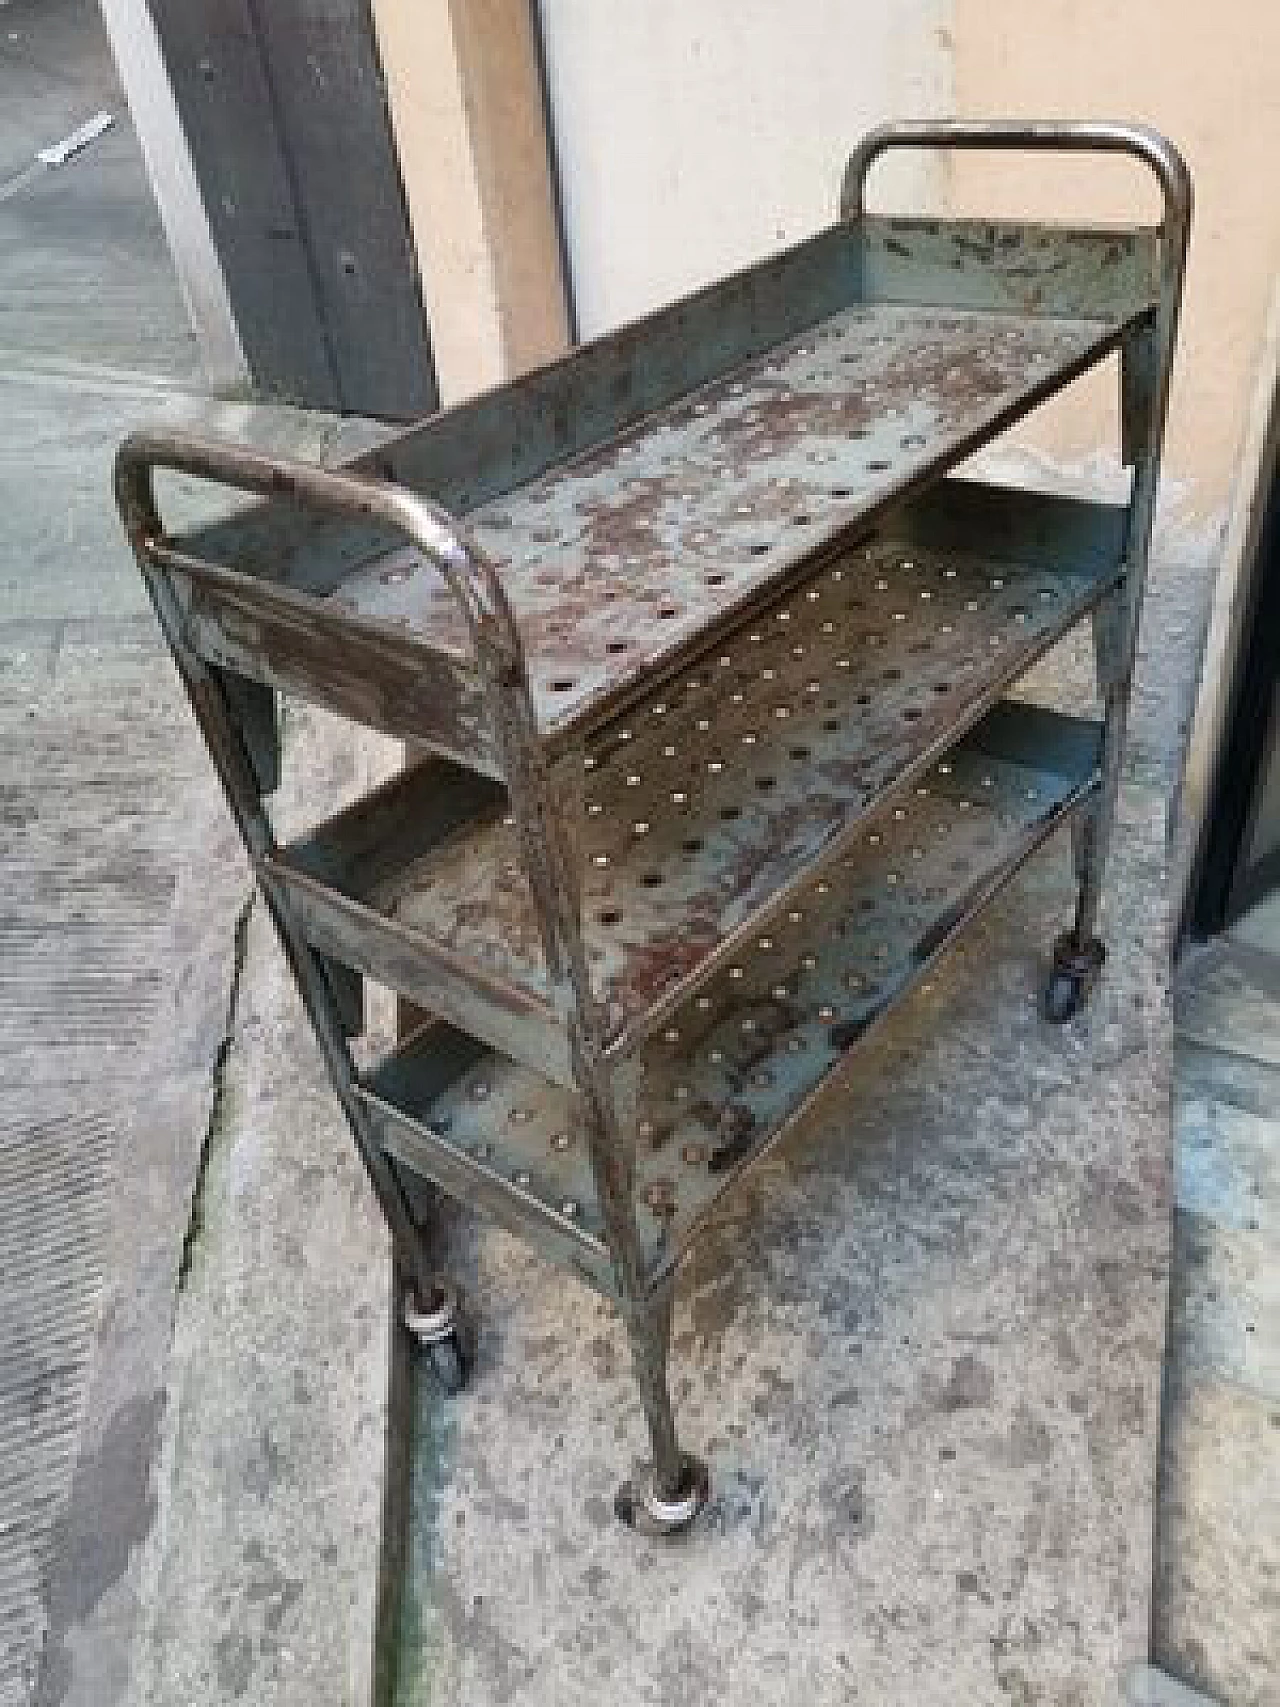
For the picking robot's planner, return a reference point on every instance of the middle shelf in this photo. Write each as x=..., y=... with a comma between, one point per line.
x=704, y=805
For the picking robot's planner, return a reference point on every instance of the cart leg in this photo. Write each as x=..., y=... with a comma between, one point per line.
x=664, y=1496
x=1078, y=954
x=232, y=755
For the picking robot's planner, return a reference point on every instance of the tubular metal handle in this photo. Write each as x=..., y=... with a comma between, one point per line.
x=467, y=572
x=1052, y=135
x=1063, y=136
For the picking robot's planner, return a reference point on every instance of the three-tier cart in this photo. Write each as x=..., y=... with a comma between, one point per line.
x=703, y=654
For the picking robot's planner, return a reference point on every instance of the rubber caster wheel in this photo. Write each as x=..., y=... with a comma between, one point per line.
x=440, y=1330
x=1075, y=972
x=638, y=1504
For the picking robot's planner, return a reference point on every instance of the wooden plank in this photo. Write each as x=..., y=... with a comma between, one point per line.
x=330, y=109
x=284, y=114
x=214, y=59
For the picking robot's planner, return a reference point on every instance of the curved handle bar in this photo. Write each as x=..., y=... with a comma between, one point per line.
x=1056, y=136
x=467, y=572
x=1062, y=137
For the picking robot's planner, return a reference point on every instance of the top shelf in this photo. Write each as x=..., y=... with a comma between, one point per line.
x=652, y=491
x=619, y=563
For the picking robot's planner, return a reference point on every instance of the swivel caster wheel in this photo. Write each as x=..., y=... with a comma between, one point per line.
x=1073, y=974
x=441, y=1330
x=639, y=1505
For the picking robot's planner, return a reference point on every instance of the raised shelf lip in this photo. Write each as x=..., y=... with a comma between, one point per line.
x=416, y=1144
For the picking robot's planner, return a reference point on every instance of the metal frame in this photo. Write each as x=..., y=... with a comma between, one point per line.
x=542, y=766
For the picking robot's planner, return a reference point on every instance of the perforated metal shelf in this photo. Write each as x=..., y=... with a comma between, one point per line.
x=707, y=803
x=620, y=559
x=733, y=1065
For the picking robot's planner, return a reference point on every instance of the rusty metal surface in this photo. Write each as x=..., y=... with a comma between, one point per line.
x=735, y=1064
x=1009, y=266
x=717, y=795
x=620, y=562
x=725, y=712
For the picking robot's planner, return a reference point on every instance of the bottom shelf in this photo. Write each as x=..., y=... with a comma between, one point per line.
x=731, y=1070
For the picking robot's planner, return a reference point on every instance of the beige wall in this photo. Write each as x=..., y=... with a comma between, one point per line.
x=1206, y=76
x=696, y=134
x=467, y=114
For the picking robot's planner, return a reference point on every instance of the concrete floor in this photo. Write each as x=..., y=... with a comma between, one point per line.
x=923, y=1351
x=123, y=884
x=1217, y=1605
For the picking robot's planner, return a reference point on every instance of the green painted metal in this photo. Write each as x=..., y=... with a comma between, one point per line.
x=710, y=658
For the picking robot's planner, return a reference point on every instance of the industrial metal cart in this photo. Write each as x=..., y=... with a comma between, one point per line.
x=703, y=658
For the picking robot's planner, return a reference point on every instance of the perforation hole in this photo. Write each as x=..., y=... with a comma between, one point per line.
x=759, y=548
x=564, y=684
x=692, y=845
x=911, y=714
x=716, y=580
x=729, y=813
x=609, y=916
x=877, y=466
x=666, y=612
x=651, y=879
